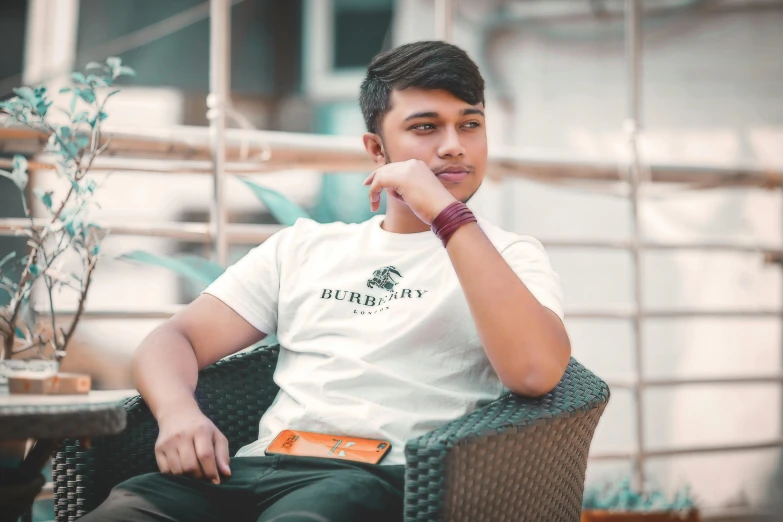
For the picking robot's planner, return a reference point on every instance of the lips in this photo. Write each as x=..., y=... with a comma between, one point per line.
x=453, y=174
x=453, y=177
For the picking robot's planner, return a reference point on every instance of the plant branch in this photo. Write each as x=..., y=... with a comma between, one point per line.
x=91, y=262
x=29, y=346
x=18, y=299
x=49, y=287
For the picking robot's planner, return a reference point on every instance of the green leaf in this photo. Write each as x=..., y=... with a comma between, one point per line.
x=89, y=186
x=209, y=268
x=100, y=116
x=45, y=196
x=19, y=333
x=70, y=216
x=34, y=270
x=97, y=81
x=7, y=258
x=19, y=175
x=94, y=65
x=72, y=226
x=78, y=78
x=86, y=94
x=12, y=105
x=199, y=271
x=125, y=71
x=83, y=141
x=65, y=90
x=43, y=107
x=81, y=117
x=285, y=211
x=73, y=150
x=27, y=94
x=113, y=62
x=65, y=132
x=20, y=163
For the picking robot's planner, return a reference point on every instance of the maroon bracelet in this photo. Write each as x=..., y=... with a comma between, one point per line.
x=450, y=219
x=446, y=214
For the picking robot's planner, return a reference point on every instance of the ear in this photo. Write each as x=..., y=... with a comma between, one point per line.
x=374, y=147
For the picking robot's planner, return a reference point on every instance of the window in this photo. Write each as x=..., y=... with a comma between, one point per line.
x=341, y=37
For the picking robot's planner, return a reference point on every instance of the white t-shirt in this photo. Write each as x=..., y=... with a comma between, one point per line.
x=376, y=336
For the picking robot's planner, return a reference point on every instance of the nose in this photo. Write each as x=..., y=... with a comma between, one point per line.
x=451, y=147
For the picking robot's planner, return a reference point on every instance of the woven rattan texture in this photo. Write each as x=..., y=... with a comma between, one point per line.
x=234, y=393
x=515, y=459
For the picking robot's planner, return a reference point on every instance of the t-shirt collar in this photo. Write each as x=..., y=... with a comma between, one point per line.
x=416, y=238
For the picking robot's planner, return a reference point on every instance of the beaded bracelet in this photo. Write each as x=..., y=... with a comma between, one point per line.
x=450, y=219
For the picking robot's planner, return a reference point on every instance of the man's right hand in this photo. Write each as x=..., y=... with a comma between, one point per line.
x=165, y=369
x=190, y=444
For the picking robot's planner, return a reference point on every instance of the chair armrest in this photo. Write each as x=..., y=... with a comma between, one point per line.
x=514, y=459
x=233, y=393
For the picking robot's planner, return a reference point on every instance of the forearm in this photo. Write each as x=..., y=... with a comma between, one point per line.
x=524, y=341
x=165, y=370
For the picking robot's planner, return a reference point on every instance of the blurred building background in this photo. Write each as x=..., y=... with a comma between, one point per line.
x=711, y=100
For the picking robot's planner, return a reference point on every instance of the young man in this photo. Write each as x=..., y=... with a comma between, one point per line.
x=388, y=328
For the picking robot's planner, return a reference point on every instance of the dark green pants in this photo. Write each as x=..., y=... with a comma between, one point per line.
x=264, y=489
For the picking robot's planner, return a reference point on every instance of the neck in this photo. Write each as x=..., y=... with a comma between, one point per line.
x=401, y=220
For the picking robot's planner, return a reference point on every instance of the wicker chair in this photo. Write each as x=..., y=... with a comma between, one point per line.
x=514, y=459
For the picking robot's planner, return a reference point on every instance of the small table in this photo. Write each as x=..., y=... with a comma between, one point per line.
x=48, y=419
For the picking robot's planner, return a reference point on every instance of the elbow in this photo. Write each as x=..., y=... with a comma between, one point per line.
x=532, y=387
x=535, y=380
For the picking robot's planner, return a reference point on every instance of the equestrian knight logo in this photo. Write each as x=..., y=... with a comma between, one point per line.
x=382, y=278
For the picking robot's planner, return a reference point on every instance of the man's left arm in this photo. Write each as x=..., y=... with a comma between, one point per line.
x=526, y=343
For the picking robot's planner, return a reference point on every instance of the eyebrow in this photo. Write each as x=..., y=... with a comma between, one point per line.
x=430, y=114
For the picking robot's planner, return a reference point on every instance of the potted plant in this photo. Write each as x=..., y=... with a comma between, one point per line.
x=618, y=502
x=63, y=246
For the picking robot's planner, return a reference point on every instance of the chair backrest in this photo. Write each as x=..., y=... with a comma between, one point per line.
x=234, y=393
x=517, y=458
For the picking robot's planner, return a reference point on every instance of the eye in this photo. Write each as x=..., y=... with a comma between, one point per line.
x=472, y=125
x=423, y=127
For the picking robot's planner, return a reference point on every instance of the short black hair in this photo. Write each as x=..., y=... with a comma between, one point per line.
x=426, y=65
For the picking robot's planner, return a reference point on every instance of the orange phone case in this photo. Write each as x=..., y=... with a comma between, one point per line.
x=309, y=444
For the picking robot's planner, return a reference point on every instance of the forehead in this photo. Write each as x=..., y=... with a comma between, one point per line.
x=414, y=100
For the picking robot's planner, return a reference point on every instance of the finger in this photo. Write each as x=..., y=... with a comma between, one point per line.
x=205, y=453
x=375, y=194
x=172, y=457
x=369, y=178
x=221, y=454
x=163, y=463
x=188, y=460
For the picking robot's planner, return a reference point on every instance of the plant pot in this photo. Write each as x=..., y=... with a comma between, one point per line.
x=10, y=367
x=599, y=515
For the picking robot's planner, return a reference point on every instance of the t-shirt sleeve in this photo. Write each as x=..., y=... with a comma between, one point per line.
x=528, y=259
x=251, y=286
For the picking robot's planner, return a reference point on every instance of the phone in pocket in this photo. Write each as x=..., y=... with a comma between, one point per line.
x=309, y=444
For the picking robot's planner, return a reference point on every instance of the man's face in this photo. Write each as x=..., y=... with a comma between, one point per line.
x=438, y=128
